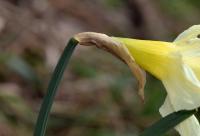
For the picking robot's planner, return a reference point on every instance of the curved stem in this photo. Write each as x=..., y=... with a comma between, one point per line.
x=52, y=88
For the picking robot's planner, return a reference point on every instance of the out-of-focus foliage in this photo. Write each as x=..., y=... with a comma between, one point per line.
x=98, y=95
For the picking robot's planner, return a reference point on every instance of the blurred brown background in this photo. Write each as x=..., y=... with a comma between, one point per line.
x=98, y=95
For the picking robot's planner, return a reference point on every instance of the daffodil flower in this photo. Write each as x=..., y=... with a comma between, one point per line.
x=176, y=64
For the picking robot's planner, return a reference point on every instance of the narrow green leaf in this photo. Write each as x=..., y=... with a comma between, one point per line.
x=53, y=85
x=167, y=123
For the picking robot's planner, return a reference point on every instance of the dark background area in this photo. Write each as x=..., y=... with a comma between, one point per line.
x=98, y=94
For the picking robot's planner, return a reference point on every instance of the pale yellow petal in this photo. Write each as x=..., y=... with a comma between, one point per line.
x=188, y=35
x=191, y=57
x=183, y=87
x=189, y=127
x=194, y=63
x=189, y=48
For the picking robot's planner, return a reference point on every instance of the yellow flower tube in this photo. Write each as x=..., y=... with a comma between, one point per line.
x=153, y=56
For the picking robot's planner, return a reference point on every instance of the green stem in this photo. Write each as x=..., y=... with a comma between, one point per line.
x=41, y=123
